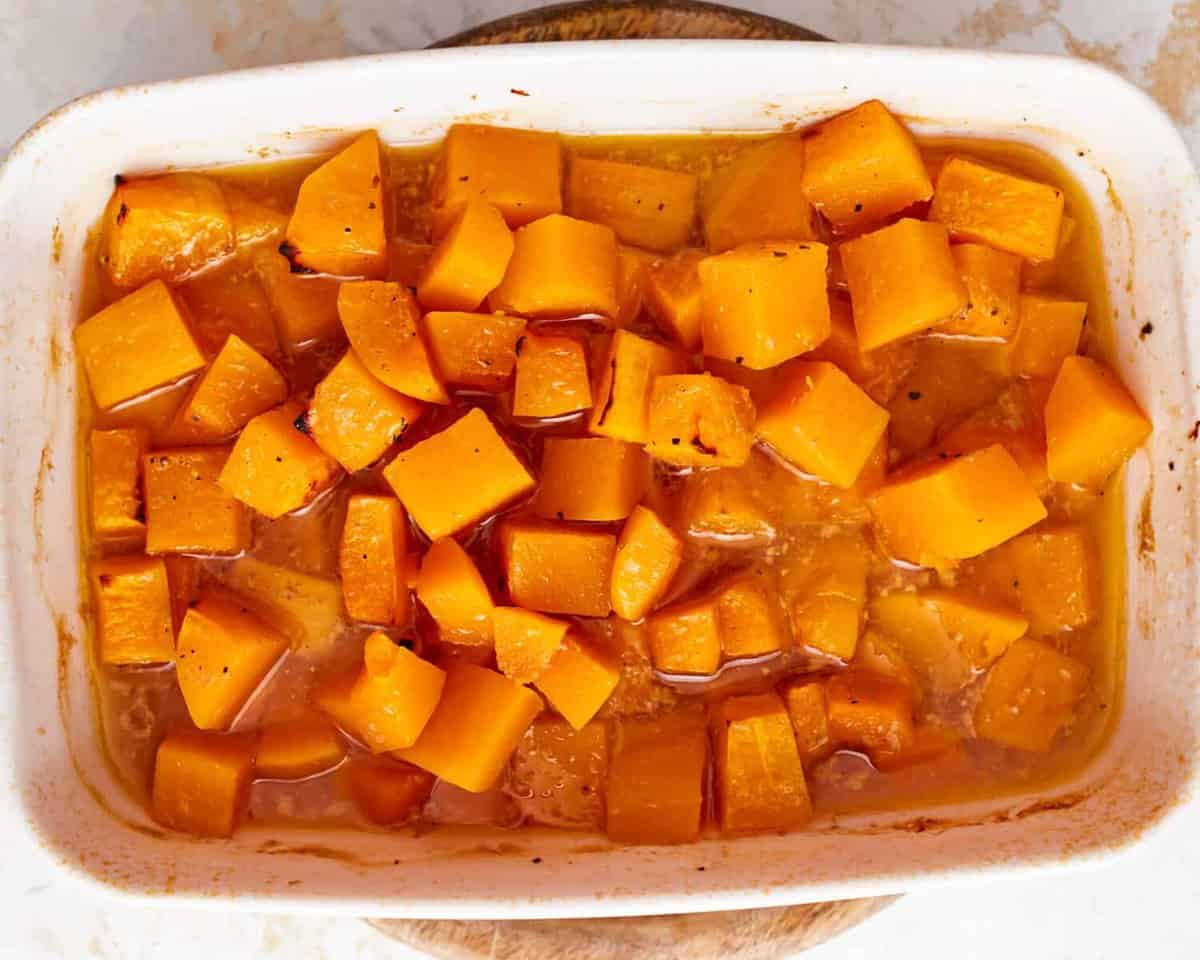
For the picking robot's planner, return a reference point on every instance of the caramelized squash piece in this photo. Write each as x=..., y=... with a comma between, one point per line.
x=648, y=556
x=373, y=560
x=673, y=297
x=993, y=281
x=1029, y=696
x=725, y=508
x=450, y=587
x=621, y=399
x=388, y=793
x=557, y=568
x=468, y=262
x=116, y=496
x=526, y=642
x=749, y=617
x=231, y=299
x=187, y=511
x=645, y=206
x=552, y=377
x=298, y=748
x=305, y=307
x=238, y=385
x=474, y=350
x=306, y=609
x=133, y=611
x=579, y=680
x=202, y=781
x=686, y=637
x=806, y=709
x=698, y=420
x=590, y=478
x=1048, y=333
x=869, y=712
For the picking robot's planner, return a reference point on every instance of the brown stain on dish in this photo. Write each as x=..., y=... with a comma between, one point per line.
x=1172, y=76
x=1145, y=526
x=56, y=243
x=315, y=850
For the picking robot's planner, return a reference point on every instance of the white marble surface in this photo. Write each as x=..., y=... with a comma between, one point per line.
x=52, y=50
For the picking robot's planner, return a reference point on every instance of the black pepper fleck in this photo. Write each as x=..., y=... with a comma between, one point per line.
x=914, y=394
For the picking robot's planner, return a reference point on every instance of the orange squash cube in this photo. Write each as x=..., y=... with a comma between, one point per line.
x=862, y=166
x=373, y=560
x=869, y=711
x=468, y=262
x=187, y=511
x=645, y=206
x=879, y=372
x=823, y=423
x=116, y=497
x=562, y=771
x=340, y=225
x=183, y=577
x=759, y=197
x=686, y=637
x=578, y=680
x=985, y=205
x=382, y=322
x=253, y=222
x=475, y=350
x=590, y=478
x=748, y=617
x=656, y=778
x=407, y=260
x=164, y=228
x=823, y=585
x=274, y=467
x=388, y=793
x=222, y=655
x=306, y=609
x=526, y=642
x=552, y=377
x=557, y=568
x=903, y=280
x=993, y=281
x=633, y=274
x=238, y=385
x=810, y=721
x=458, y=477
x=202, y=781
x=298, y=748
x=879, y=654
x=1047, y=334
x=829, y=624
x=519, y=172
x=725, y=508
x=450, y=587
x=305, y=307
x=980, y=500
x=648, y=556
x=230, y=299
x=1029, y=696
x=673, y=297
x=478, y=723
x=560, y=267
x=133, y=611
x=1014, y=419
x=698, y=420
x=621, y=399
x=136, y=344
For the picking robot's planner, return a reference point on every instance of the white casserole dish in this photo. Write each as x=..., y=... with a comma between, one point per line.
x=1119, y=146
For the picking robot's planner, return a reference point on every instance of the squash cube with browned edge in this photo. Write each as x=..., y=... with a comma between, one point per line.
x=980, y=500
x=685, y=637
x=672, y=297
x=869, y=712
x=296, y=749
x=275, y=467
x=526, y=642
x=187, y=511
x=579, y=680
x=903, y=280
x=656, y=778
x=556, y=568
x=1029, y=696
x=474, y=350
x=993, y=281
x=164, y=228
x=468, y=262
x=222, y=655
x=373, y=560
x=985, y=205
x=823, y=423
x=563, y=771
x=759, y=196
x=749, y=617
x=238, y=385
x=305, y=307
x=231, y=299
x=590, y=478
x=202, y=781
x=304, y=608
x=645, y=206
x=133, y=611
x=648, y=556
x=452, y=590
x=762, y=304
x=1048, y=332
x=140, y=342
x=519, y=172
x=621, y=400
x=810, y=721
x=552, y=377
x=388, y=793
x=1093, y=424
x=478, y=723
x=458, y=476
x=340, y=223
x=863, y=166
x=382, y=321
x=116, y=496
x=698, y=420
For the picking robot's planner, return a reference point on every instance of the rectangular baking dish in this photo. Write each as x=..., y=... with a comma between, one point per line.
x=1112, y=138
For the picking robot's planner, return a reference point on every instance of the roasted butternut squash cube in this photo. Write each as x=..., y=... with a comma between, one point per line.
x=519, y=172
x=275, y=467
x=1014, y=419
x=298, y=748
x=136, y=344
x=590, y=478
x=725, y=507
x=557, y=568
x=673, y=297
x=656, y=778
x=133, y=611
x=621, y=399
x=1093, y=424
x=985, y=205
x=253, y=221
x=164, y=228
x=748, y=617
x=698, y=420
x=238, y=385
x=116, y=496
x=222, y=655
x=478, y=723
x=686, y=637
x=879, y=372
x=373, y=560
x=759, y=778
x=578, y=680
x=758, y=196
x=183, y=577
x=764, y=303
x=526, y=642
x=1047, y=334
x=993, y=281
x=648, y=556
x=388, y=793
x=407, y=260
x=823, y=585
x=458, y=476
x=474, y=350
x=869, y=712
x=231, y=299
x=633, y=274
x=645, y=206
x=980, y=500
x=468, y=262
x=1029, y=696
x=560, y=267
x=450, y=587
x=862, y=166
x=382, y=321
x=305, y=307
x=829, y=624
x=806, y=709
x=305, y=608
x=823, y=423
x=903, y=280
x=562, y=771
x=552, y=377
x=187, y=511
x=202, y=781
x=339, y=225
